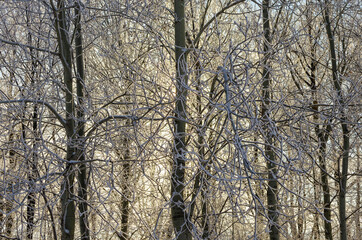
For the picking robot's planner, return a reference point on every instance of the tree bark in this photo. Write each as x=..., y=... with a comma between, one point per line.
x=272, y=191
x=322, y=135
x=125, y=190
x=344, y=125
x=67, y=198
x=178, y=209
x=82, y=174
x=32, y=168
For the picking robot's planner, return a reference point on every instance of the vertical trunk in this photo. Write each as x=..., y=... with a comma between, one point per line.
x=9, y=184
x=293, y=225
x=202, y=160
x=322, y=135
x=315, y=231
x=30, y=211
x=205, y=215
x=178, y=209
x=326, y=193
x=358, y=213
x=201, y=178
x=82, y=174
x=300, y=222
x=344, y=126
x=67, y=202
x=125, y=189
x=260, y=194
x=272, y=191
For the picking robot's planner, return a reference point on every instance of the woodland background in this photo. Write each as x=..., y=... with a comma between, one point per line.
x=198, y=119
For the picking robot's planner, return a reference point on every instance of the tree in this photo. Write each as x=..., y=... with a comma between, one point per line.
x=179, y=119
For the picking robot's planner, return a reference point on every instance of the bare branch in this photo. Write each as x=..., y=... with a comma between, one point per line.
x=52, y=109
x=27, y=46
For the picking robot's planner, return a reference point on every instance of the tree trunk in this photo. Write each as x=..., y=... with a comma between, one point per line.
x=125, y=187
x=32, y=168
x=358, y=201
x=272, y=191
x=344, y=126
x=322, y=135
x=82, y=174
x=67, y=198
x=178, y=209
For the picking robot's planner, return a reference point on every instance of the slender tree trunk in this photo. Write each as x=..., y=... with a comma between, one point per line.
x=178, y=209
x=300, y=221
x=30, y=211
x=326, y=193
x=67, y=198
x=272, y=191
x=125, y=198
x=293, y=225
x=9, y=221
x=315, y=231
x=344, y=125
x=205, y=214
x=358, y=213
x=125, y=187
x=201, y=179
x=322, y=135
x=82, y=174
x=202, y=161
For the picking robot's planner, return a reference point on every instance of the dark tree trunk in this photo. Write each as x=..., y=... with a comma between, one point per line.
x=67, y=188
x=344, y=125
x=272, y=192
x=178, y=209
x=82, y=174
x=32, y=168
x=125, y=191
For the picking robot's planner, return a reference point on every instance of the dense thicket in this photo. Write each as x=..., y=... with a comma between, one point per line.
x=197, y=119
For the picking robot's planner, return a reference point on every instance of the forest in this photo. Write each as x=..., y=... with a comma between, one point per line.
x=182, y=119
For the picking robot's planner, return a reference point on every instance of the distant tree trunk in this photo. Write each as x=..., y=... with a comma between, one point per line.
x=300, y=219
x=272, y=192
x=343, y=121
x=125, y=156
x=202, y=161
x=125, y=189
x=201, y=178
x=322, y=135
x=179, y=213
x=31, y=178
x=358, y=212
x=32, y=161
x=315, y=231
x=8, y=205
x=293, y=225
